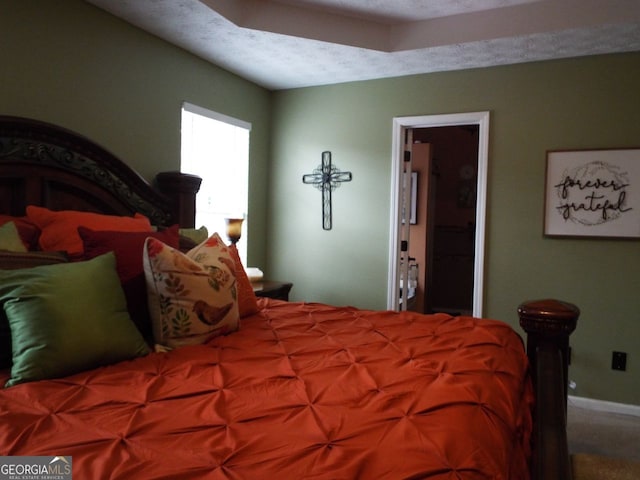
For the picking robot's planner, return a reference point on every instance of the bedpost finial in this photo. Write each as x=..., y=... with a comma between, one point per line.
x=548, y=316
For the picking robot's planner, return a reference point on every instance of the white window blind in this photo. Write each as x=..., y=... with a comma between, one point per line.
x=216, y=148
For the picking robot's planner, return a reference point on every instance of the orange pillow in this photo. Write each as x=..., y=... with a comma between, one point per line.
x=247, y=302
x=59, y=230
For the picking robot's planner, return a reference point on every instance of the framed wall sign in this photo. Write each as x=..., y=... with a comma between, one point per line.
x=593, y=193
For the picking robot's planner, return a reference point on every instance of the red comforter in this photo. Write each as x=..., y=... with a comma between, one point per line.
x=302, y=391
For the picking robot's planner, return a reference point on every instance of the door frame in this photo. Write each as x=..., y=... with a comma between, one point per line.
x=400, y=124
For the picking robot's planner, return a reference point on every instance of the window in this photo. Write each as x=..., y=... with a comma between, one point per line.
x=216, y=148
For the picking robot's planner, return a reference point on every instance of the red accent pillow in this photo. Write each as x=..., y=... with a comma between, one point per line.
x=128, y=248
x=28, y=231
x=59, y=229
x=247, y=302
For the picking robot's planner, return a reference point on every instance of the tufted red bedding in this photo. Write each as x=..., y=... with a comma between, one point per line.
x=301, y=391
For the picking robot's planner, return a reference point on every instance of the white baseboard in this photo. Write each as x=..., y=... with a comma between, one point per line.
x=604, y=406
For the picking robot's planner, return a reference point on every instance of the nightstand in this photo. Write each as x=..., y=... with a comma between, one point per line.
x=271, y=289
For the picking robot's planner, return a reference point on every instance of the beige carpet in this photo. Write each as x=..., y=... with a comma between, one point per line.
x=597, y=467
x=603, y=433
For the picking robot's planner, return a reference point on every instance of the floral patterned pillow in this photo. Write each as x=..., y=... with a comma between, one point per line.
x=192, y=297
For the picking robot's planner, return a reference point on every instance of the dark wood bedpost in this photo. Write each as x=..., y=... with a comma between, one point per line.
x=181, y=189
x=548, y=324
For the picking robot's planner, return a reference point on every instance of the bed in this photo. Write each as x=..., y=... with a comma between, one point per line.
x=290, y=390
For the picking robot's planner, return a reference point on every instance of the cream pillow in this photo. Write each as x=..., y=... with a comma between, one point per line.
x=192, y=297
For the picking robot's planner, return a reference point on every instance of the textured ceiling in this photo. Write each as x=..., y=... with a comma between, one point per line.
x=296, y=43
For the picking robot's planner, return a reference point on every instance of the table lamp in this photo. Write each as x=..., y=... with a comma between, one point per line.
x=234, y=229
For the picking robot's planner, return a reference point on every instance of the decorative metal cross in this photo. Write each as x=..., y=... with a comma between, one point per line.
x=326, y=178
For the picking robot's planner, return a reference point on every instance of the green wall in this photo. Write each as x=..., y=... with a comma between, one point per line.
x=570, y=104
x=72, y=64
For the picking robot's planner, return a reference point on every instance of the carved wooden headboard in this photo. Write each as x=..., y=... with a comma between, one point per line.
x=46, y=165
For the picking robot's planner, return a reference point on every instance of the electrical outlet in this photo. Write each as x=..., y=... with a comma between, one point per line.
x=619, y=361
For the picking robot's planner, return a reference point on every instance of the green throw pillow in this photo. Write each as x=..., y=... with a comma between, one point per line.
x=198, y=235
x=15, y=261
x=10, y=238
x=67, y=318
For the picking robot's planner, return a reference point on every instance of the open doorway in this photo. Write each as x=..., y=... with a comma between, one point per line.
x=442, y=235
x=454, y=246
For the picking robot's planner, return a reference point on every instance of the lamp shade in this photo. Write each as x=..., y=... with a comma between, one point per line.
x=234, y=229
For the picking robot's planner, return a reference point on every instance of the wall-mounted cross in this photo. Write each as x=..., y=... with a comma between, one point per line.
x=326, y=178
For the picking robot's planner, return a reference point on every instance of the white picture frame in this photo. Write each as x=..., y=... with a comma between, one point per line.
x=592, y=193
